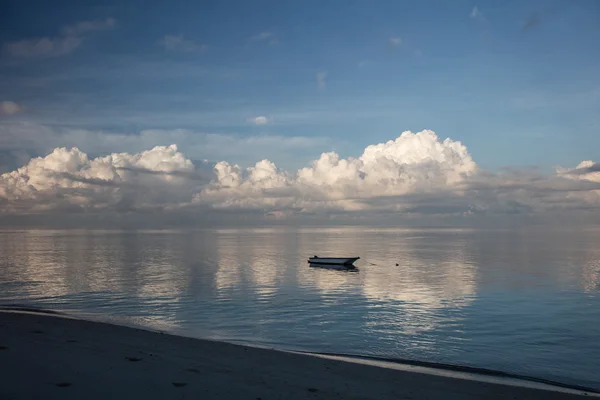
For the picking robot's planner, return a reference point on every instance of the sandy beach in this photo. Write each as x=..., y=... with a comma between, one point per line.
x=56, y=357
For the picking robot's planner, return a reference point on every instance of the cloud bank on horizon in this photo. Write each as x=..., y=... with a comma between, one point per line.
x=417, y=174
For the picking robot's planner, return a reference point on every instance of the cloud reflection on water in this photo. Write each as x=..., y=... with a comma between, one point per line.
x=458, y=295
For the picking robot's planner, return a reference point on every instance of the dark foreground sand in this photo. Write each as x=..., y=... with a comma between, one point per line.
x=46, y=356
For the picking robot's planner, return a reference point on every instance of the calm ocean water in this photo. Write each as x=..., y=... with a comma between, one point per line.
x=520, y=301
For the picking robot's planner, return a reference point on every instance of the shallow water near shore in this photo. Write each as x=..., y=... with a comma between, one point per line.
x=522, y=301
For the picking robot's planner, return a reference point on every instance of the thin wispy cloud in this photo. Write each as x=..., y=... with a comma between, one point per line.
x=363, y=63
x=36, y=140
x=261, y=36
x=197, y=175
x=71, y=38
x=321, y=79
x=395, y=41
x=476, y=14
x=43, y=47
x=266, y=37
x=83, y=27
x=90, y=181
x=178, y=43
x=9, y=108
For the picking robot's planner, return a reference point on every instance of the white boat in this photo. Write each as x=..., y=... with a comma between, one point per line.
x=332, y=260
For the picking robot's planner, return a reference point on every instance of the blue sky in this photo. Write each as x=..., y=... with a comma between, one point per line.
x=517, y=82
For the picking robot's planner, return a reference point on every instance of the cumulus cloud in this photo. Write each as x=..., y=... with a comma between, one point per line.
x=587, y=176
x=70, y=38
x=69, y=179
x=321, y=79
x=9, y=108
x=260, y=120
x=179, y=43
x=586, y=169
x=414, y=174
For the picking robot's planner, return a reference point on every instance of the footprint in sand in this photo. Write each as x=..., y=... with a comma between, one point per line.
x=133, y=359
x=63, y=384
x=178, y=384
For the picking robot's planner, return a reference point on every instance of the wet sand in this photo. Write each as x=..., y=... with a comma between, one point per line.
x=56, y=357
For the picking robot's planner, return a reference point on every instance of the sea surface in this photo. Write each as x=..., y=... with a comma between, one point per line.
x=524, y=301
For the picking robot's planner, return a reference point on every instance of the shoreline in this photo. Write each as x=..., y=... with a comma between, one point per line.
x=427, y=367
x=331, y=375
x=460, y=371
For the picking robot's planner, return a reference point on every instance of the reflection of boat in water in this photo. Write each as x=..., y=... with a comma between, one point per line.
x=340, y=261
x=337, y=267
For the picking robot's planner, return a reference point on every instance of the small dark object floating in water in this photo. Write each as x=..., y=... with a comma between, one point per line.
x=347, y=261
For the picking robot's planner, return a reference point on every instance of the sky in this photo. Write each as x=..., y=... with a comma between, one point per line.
x=513, y=86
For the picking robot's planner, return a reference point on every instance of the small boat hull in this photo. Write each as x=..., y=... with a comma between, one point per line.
x=333, y=260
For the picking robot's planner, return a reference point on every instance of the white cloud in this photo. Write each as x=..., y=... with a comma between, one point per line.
x=266, y=37
x=411, y=163
x=179, y=43
x=321, y=79
x=261, y=36
x=9, y=108
x=69, y=179
x=83, y=27
x=417, y=173
x=69, y=40
x=395, y=41
x=43, y=47
x=586, y=172
x=260, y=120
x=476, y=14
